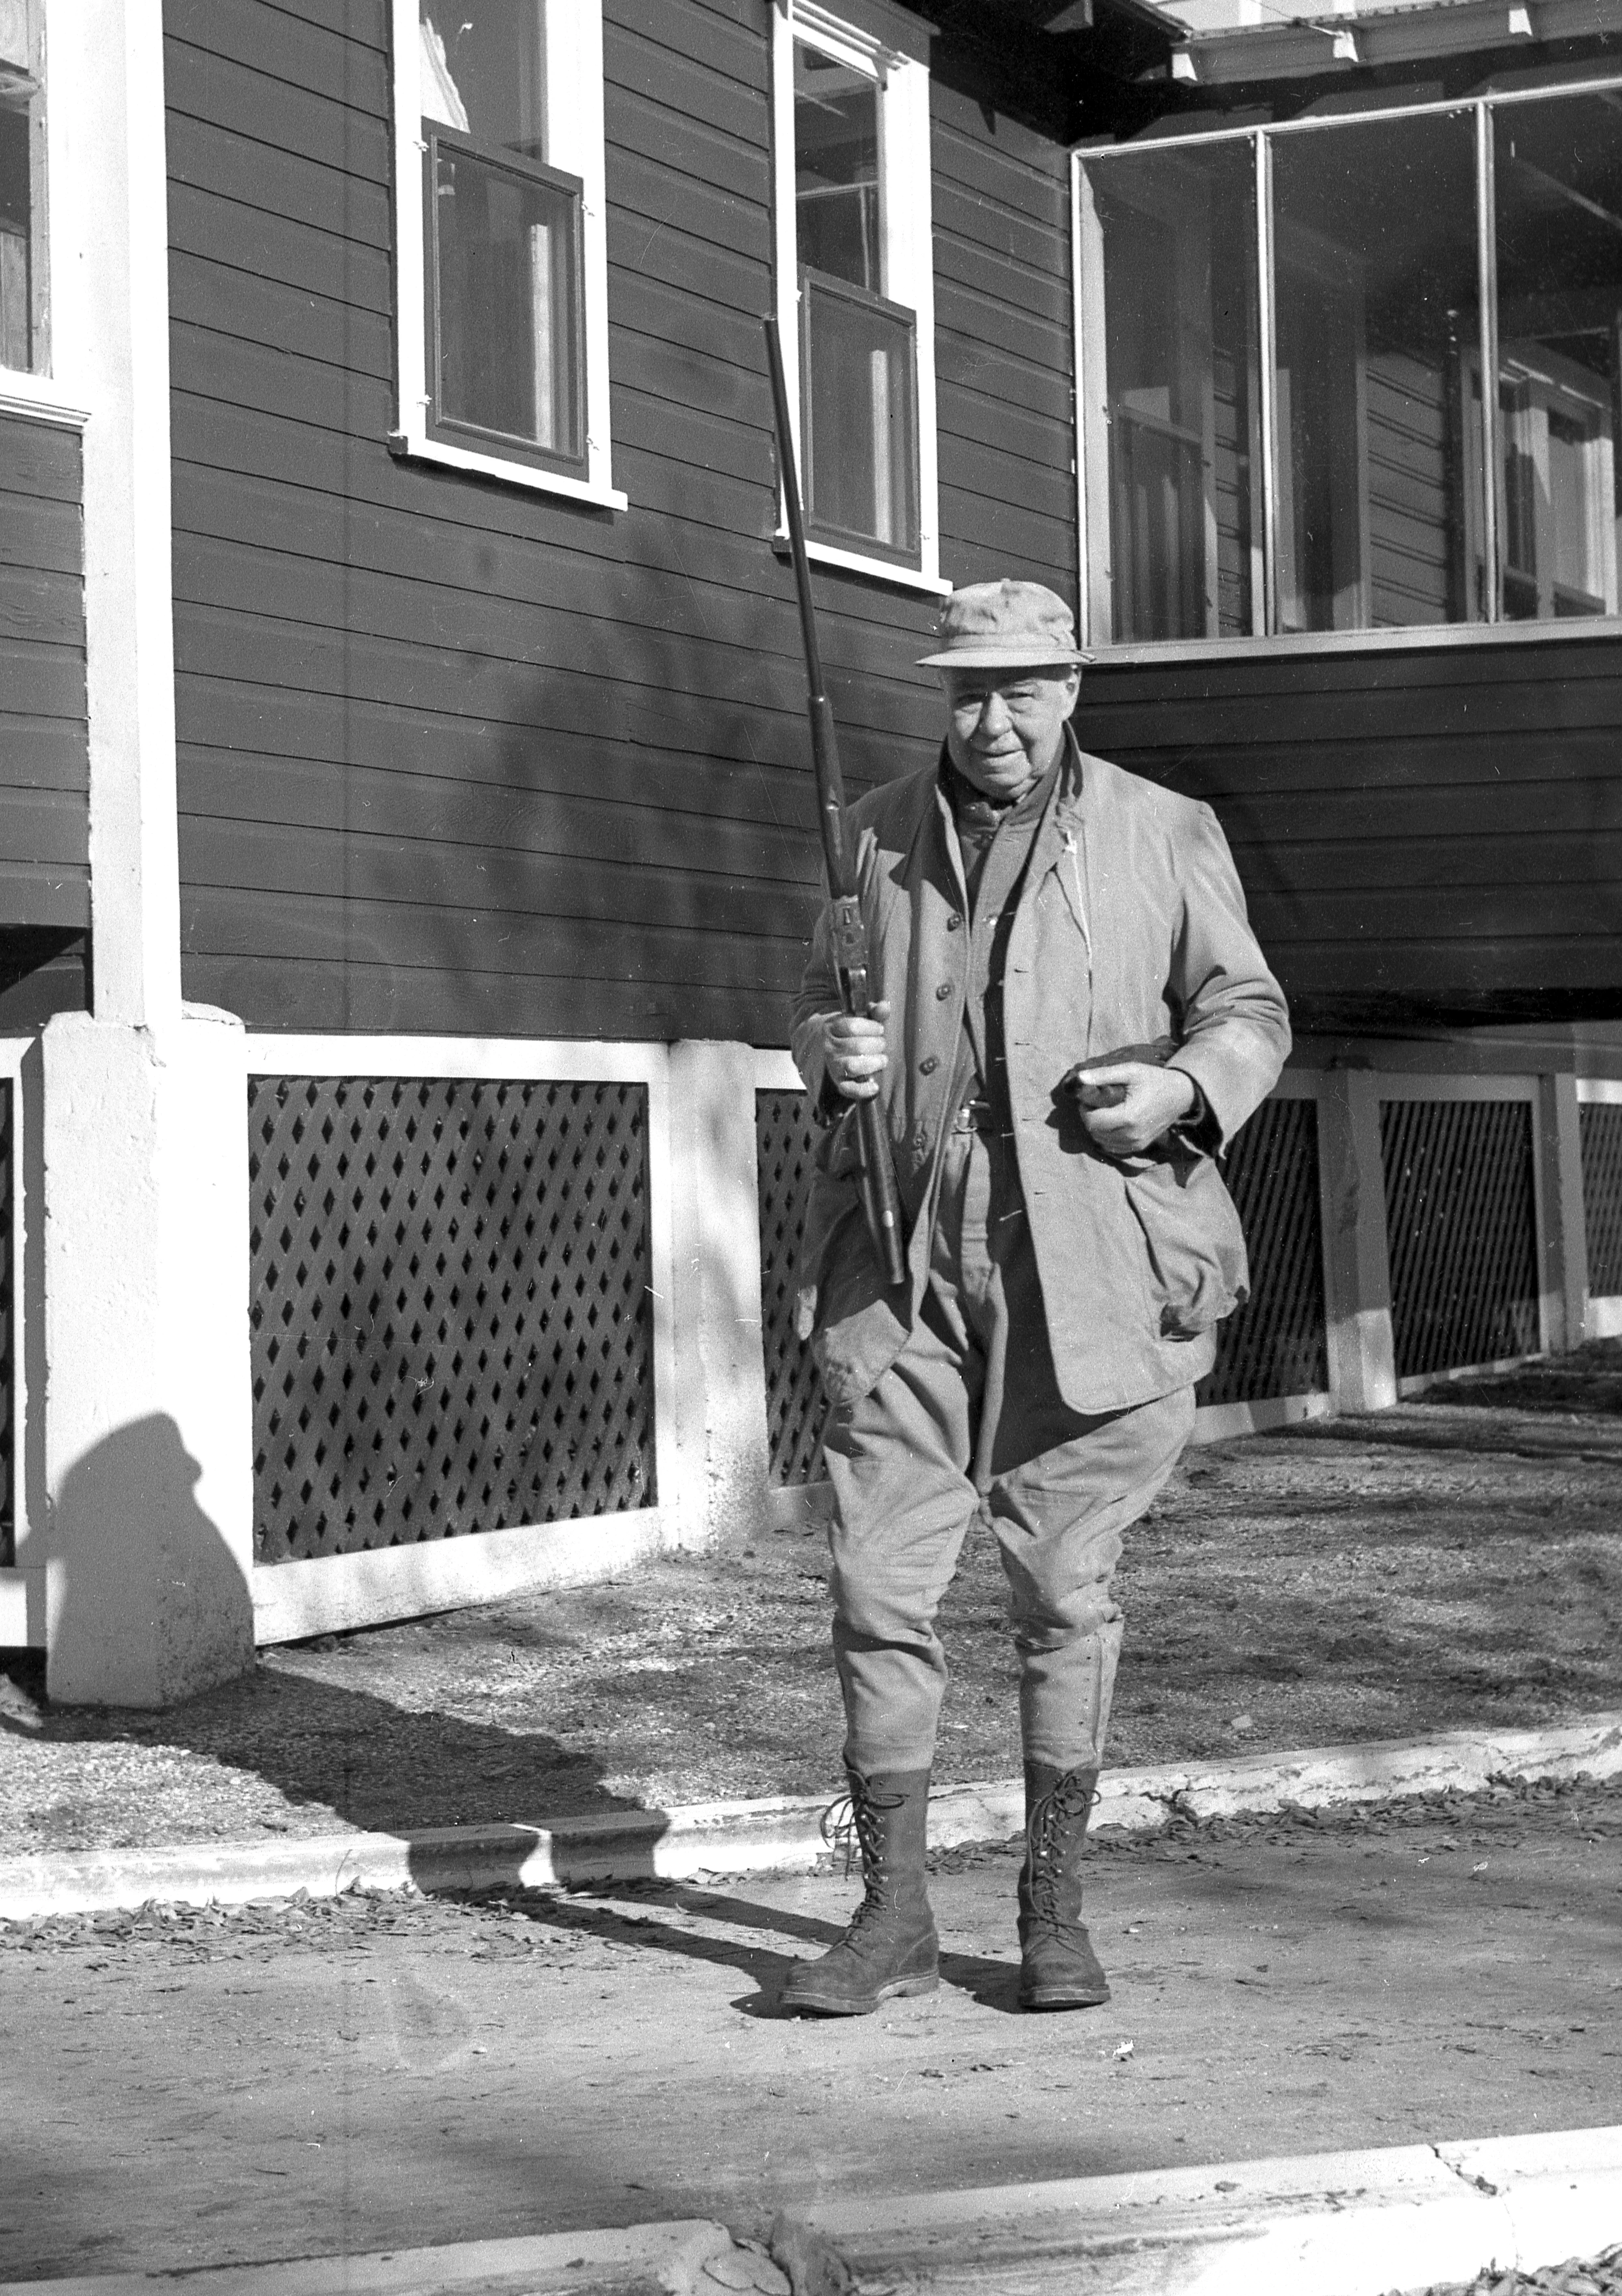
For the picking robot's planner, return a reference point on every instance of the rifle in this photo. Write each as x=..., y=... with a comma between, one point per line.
x=874, y=1167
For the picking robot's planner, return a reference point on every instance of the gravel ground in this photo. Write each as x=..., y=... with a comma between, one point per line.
x=1454, y=1563
x=1592, y=2275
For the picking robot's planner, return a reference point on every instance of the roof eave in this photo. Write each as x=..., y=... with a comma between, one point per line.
x=1391, y=37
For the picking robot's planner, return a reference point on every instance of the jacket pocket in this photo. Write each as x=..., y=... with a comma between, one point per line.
x=1198, y=1271
x=833, y=1261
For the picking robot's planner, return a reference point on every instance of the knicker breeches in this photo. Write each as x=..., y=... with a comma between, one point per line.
x=969, y=1416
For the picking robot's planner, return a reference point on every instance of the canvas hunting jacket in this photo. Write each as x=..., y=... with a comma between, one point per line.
x=1129, y=924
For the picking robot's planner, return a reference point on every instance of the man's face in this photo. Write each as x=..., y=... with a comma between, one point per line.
x=1006, y=726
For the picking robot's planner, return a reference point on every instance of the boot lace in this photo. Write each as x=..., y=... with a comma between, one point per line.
x=850, y=1828
x=1070, y=1800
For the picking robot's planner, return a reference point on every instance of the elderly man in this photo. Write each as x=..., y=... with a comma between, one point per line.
x=1034, y=915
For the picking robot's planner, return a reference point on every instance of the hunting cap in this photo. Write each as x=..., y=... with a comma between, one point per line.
x=1005, y=625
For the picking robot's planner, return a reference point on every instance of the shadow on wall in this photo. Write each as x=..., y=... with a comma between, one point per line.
x=147, y=1603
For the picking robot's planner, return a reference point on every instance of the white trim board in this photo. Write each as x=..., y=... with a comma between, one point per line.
x=22, y=1609
x=332, y=1594
x=545, y=1060
x=774, y=1071
x=392, y=1577
x=1219, y=1422
x=1418, y=1383
x=14, y=1052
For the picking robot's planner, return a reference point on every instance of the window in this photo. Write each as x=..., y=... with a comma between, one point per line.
x=855, y=282
x=24, y=345
x=1375, y=301
x=502, y=270
x=1179, y=396
x=1283, y=341
x=1557, y=171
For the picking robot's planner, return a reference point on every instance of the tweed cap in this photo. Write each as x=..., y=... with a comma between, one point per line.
x=1005, y=625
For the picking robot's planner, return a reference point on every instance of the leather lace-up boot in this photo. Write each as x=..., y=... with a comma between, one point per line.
x=890, y=1947
x=1058, y=1967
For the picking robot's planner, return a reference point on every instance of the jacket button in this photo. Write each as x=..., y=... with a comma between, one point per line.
x=928, y=1066
x=944, y=991
x=954, y=921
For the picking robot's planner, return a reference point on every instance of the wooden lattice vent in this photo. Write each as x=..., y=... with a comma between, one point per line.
x=1275, y=1344
x=785, y=1136
x=451, y=1308
x=1601, y=1129
x=1461, y=1220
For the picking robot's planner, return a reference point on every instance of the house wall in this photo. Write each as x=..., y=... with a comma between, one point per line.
x=458, y=757
x=1422, y=832
x=45, y=878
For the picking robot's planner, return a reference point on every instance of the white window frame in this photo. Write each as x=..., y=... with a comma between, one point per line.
x=892, y=49
x=69, y=192
x=575, y=144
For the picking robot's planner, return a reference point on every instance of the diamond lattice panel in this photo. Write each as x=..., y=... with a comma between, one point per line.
x=785, y=1136
x=1601, y=1137
x=452, y=1319
x=1461, y=1221
x=1274, y=1345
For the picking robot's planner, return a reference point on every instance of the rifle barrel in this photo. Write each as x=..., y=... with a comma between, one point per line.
x=824, y=742
x=880, y=1200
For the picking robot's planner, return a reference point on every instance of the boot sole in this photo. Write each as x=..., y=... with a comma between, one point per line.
x=830, y=2004
x=1064, y=1998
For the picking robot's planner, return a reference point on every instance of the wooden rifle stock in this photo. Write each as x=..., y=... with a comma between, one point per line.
x=879, y=1199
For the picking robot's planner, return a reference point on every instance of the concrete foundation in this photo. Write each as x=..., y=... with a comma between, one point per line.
x=148, y=1434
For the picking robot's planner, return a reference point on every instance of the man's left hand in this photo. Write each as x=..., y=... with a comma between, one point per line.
x=1154, y=1100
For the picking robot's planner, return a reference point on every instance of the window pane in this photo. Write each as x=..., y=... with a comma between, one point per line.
x=21, y=189
x=1377, y=343
x=836, y=170
x=859, y=402
x=1174, y=242
x=484, y=70
x=509, y=302
x=1558, y=176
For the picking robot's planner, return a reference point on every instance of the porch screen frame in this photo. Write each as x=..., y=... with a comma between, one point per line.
x=1483, y=617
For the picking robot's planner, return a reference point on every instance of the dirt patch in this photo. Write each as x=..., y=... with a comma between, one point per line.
x=188, y=2088
x=1454, y=1563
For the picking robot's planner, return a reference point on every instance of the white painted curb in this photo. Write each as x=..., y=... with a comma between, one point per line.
x=781, y=1835
x=1339, y=2224
x=1345, y=2224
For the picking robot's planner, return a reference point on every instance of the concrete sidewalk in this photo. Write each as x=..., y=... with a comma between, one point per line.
x=380, y=2072
x=1343, y=2224
x=781, y=1835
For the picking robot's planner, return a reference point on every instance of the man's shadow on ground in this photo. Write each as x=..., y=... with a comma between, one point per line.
x=596, y=1911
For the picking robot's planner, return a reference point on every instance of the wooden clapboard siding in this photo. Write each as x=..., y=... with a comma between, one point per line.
x=43, y=742
x=1411, y=546
x=1427, y=833
x=454, y=756
x=1003, y=346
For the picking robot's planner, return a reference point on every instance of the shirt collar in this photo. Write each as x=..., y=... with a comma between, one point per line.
x=963, y=797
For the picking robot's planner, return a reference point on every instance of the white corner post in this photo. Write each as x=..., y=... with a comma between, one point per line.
x=1356, y=1254
x=715, y=1220
x=147, y=1409
x=1562, y=1225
